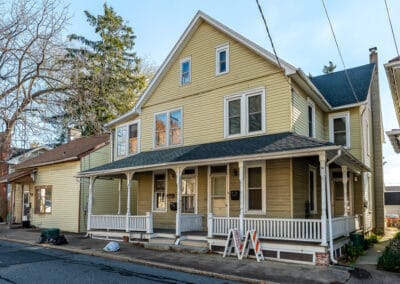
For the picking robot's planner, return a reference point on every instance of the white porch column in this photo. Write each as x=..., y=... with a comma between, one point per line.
x=129, y=176
x=351, y=194
x=11, y=221
x=210, y=225
x=322, y=164
x=178, y=172
x=149, y=222
x=345, y=197
x=241, y=180
x=119, y=195
x=90, y=201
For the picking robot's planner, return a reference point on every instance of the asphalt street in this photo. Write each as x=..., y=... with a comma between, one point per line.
x=30, y=264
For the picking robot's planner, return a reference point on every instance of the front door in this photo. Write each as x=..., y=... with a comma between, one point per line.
x=218, y=195
x=26, y=207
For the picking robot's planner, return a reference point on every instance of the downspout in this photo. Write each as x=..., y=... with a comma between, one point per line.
x=328, y=195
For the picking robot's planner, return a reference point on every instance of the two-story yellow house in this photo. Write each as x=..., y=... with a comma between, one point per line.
x=226, y=136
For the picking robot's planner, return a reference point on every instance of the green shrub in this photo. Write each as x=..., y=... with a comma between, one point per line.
x=368, y=243
x=379, y=232
x=373, y=238
x=353, y=251
x=390, y=259
x=397, y=236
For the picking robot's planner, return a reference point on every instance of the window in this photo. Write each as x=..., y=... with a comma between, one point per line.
x=255, y=183
x=168, y=128
x=222, y=60
x=339, y=129
x=185, y=71
x=312, y=187
x=127, y=140
x=160, y=201
x=189, y=191
x=43, y=199
x=245, y=113
x=311, y=118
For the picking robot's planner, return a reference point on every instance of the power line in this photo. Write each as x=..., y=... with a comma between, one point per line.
x=269, y=35
x=340, y=54
x=391, y=27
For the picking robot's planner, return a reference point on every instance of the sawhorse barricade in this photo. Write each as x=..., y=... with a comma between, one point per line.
x=241, y=250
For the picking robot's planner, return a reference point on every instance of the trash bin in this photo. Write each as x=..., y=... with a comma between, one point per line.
x=50, y=233
x=357, y=239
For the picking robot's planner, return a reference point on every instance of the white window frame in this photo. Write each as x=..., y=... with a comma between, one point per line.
x=311, y=104
x=167, y=112
x=345, y=115
x=195, y=176
x=126, y=126
x=263, y=189
x=244, y=123
x=184, y=60
x=218, y=50
x=153, y=195
x=314, y=198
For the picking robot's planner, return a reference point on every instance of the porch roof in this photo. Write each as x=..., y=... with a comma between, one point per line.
x=285, y=144
x=16, y=175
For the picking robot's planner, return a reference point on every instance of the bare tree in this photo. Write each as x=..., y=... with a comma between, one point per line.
x=32, y=77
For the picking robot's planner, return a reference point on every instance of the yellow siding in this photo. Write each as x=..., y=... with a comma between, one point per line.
x=65, y=196
x=18, y=203
x=203, y=99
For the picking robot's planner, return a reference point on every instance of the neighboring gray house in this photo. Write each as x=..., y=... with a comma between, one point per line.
x=392, y=200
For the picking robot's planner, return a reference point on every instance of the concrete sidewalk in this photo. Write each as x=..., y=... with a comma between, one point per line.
x=246, y=270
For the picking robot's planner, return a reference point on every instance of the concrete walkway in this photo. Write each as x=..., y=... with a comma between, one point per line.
x=214, y=265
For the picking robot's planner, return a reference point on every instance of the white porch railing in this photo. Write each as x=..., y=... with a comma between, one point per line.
x=343, y=226
x=221, y=225
x=142, y=223
x=191, y=222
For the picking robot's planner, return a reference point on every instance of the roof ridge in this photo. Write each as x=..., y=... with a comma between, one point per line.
x=342, y=71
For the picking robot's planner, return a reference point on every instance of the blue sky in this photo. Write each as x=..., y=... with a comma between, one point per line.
x=299, y=29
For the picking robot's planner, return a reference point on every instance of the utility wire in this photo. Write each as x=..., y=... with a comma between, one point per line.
x=391, y=27
x=269, y=35
x=340, y=54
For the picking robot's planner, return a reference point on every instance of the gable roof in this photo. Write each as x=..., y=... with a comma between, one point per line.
x=249, y=147
x=198, y=19
x=71, y=151
x=337, y=90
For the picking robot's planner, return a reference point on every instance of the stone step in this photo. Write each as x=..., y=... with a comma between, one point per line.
x=194, y=243
x=165, y=241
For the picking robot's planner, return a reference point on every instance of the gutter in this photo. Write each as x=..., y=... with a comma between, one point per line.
x=328, y=189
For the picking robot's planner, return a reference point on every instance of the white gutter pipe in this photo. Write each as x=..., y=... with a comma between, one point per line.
x=328, y=189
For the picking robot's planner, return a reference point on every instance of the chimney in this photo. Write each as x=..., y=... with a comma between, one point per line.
x=73, y=134
x=373, y=55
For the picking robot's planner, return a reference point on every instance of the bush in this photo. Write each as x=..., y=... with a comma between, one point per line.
x=353, y=251
x=390, y=259
x=373, y=238
x=397, y=236
x=379, y=232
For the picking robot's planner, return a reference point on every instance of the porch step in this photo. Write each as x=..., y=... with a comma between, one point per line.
x=194, y=243
x=165, y=241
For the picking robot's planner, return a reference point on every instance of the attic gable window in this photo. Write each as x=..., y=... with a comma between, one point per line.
x=222, y=60
x=168, y=128
x=127, y=139
x=339, y=129
x=245, y=113
x=186, y=71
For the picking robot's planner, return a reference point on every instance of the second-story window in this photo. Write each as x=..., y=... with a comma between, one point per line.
x=311, y=118
x=186, y=71
x=127, y=140
x=222, y=59
x=168, y=128
x=339, y=129
x=245, y=113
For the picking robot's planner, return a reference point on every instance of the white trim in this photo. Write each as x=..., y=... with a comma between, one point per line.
x=182, y=61
x=218, y=50
x=167, y=112
x=244, y=121
x=153, y=209
x=310, y=103
x=126, y=125
x=263, y=187
x=313, y=169
x=345, y=115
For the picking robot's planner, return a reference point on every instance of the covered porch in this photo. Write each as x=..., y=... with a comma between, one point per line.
x=306, y=195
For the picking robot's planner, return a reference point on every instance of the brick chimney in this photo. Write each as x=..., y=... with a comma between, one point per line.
x=377, y=132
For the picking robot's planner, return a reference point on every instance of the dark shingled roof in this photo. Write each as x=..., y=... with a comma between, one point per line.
x=336, y=88
x=392, y=198
x=73, y=150
x=286, y=141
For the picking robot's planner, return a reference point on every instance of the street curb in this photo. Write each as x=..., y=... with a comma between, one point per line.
x=144, y=262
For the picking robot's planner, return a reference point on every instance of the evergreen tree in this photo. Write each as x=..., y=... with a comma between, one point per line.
x=329, y=68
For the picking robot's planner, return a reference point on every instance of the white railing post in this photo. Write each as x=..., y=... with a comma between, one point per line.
x=119, y=195
x=210, y=225
x=149, y=222
x=129, y=176
x=241, y=180
x=178, y=172
x=322, y=164
x=345, y=198
x=90, y=201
